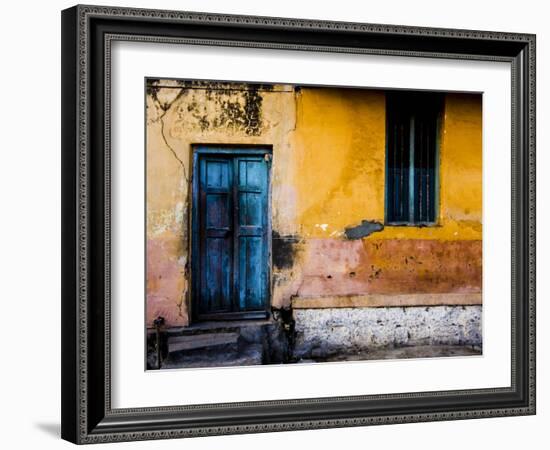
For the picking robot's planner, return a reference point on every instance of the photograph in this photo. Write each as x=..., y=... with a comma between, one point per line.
x=304, y=224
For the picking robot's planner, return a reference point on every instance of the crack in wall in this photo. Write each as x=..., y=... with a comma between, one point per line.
x=165, y=107
x=171, y=148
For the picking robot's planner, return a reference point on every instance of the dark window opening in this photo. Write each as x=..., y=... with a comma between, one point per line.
x=412, y=157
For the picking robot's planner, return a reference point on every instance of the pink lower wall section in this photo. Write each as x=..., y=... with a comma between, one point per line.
x=337, y=267
x=329, y=267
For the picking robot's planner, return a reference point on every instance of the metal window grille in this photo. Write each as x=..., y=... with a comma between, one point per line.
x=412, y=158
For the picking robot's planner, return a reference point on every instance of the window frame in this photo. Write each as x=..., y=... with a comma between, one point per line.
x=438, y=130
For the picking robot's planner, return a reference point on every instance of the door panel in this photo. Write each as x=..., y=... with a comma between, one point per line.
x=251, y=282
x=218, y=281
x=251, y=230
x=217, y=174
x=250, y=209
x=232, y=229
x=215, y=235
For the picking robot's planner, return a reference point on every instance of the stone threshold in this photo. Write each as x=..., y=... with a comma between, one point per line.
x=385, y=300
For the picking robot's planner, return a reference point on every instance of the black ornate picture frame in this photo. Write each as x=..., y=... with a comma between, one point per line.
x=87, y=34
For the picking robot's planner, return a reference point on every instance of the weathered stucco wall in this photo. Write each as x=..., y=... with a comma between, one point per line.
x=327, y=177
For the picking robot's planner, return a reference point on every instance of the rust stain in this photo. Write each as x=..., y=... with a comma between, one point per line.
x=398, y=266
x=424, y=266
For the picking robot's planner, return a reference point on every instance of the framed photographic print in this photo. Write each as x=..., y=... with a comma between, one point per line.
x=281, y=224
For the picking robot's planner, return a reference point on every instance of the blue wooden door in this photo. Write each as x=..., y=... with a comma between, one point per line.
x=231, y=230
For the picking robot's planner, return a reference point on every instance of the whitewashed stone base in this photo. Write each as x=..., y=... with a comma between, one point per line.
x=324, y=332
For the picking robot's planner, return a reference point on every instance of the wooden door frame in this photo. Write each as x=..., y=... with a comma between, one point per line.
x=197, y=151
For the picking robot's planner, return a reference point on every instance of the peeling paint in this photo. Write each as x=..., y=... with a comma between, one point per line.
x=366, y=228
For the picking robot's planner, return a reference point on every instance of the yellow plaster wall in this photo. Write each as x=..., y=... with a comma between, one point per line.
x=340, y=146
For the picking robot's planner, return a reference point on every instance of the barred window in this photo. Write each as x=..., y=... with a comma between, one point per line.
x=412, y=157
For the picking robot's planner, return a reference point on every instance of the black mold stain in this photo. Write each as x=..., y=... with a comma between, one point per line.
x=366, y=228
x=234, y=115
x=152, y=87
x=204, y=123
x=229, y=97
x=253, y=112
x=283, y=250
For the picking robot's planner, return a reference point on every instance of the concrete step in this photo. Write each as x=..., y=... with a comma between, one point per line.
x=217, y=327
x=201, y=341
x=249, y=355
